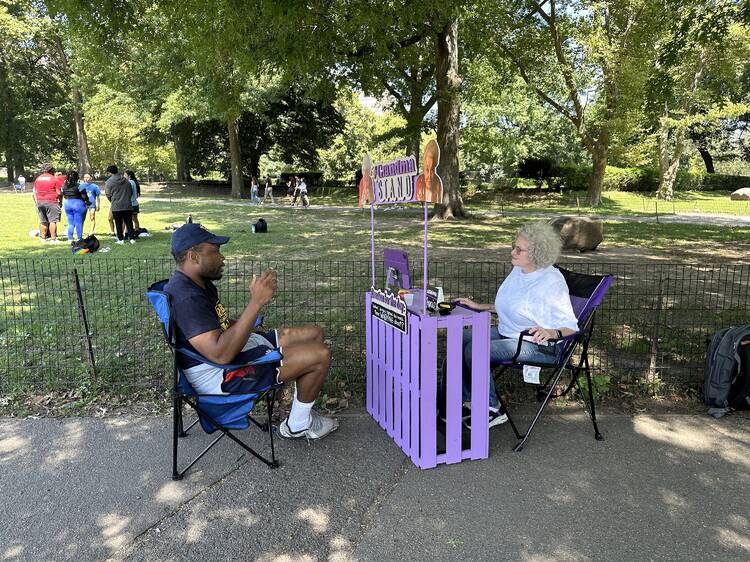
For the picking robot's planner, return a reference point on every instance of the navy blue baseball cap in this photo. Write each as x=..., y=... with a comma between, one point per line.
x=192, y=234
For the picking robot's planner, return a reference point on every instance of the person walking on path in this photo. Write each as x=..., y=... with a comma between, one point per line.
x=268, y=191
x=92, y=194
x=302, y=186
x=75, y=205
x=119, y=192
x=47, y=198
x=254, y=191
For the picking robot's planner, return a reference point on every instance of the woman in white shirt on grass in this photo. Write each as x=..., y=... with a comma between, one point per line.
x=533, y=297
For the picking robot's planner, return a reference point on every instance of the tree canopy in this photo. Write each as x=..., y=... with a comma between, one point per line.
x=213, y=88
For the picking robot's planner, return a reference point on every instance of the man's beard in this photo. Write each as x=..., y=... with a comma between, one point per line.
x=213, y=275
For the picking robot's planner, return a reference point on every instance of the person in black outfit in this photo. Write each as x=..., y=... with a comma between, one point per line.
x=119, y=192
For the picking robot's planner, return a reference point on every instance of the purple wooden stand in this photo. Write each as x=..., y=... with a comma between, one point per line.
x=402, y=384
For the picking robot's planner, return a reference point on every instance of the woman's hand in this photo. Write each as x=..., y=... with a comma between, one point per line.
x=471, y=304
x=542, y=335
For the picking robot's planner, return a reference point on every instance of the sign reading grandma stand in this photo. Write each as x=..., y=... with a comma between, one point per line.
x=394, y=180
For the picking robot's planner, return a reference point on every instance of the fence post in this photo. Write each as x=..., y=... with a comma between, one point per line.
x=653, y=373
x=656, y=208
x=88, y=351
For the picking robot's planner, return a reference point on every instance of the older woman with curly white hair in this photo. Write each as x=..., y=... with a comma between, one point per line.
x=533, y=297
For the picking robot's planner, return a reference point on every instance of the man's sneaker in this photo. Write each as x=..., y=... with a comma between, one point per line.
x=132, y=241
x=497, y=417
x=120, y=242
x=320, y=426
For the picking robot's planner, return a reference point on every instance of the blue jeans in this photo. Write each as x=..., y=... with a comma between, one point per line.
x=503, y=349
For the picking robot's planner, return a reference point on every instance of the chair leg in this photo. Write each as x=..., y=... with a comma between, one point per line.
x=271, y=397
x=520, y=445
x=176, y=430
x=510, y=419
x=597, y=434
x=504, y=406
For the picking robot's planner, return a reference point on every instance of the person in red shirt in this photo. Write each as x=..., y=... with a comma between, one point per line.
x=47, y=197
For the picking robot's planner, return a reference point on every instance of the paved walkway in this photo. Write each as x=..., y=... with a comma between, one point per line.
x=661, y=487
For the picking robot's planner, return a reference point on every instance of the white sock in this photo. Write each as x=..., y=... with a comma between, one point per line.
x=299, y=417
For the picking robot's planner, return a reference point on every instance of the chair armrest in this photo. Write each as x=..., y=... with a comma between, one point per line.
x=273, y=356
x=527, y=333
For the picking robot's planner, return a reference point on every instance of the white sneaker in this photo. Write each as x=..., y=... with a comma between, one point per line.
x=320, y=426
x=132, y=241
x=55, y=241
x=120, y=242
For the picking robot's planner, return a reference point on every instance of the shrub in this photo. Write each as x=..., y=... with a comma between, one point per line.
x=537, y=169
x=701, y=181
x=630, y=179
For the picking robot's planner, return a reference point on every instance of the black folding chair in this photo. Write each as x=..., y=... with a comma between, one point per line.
x=215, y=412
x=586, y=294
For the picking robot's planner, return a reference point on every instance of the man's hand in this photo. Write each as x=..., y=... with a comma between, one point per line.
x=263, y=288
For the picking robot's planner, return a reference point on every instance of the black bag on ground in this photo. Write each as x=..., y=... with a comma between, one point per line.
x=726, y=377
x=260, y=226
x=86, y=245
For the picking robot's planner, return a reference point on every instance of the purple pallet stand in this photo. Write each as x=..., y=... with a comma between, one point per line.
x=402, y=384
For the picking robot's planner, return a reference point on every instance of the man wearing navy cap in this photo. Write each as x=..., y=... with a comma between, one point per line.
x=203, y=325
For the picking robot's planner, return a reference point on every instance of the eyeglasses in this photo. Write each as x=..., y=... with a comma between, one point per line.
x=518, y=249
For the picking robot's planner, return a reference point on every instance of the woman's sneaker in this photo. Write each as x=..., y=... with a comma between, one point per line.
x=320, y=426
x=497, y=417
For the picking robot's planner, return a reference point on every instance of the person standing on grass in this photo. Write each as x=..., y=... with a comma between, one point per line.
x=92, y=195
x=135, y=190
x=75, y=205
x=119, y=192
x=47, y=198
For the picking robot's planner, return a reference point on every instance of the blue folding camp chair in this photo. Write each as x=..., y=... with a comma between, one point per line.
x=586, y=294
x=222, y=412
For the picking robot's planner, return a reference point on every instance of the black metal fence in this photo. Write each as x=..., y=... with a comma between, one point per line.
x=650, y=330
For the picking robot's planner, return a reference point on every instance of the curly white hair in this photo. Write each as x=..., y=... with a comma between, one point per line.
x=544, y=243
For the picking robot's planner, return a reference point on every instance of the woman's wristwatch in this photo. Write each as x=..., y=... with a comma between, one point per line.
x=559, y=334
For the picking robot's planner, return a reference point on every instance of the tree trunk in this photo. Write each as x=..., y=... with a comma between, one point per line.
x=669, y=163
x=9, y=142
x=236, y=156
x=449, y=113
x=599, y=155
x=413, y=135
x=82, y=143
x=181, y=139
x=708, y=160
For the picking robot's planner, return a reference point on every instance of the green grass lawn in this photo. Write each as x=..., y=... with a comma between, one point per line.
x=321, y=233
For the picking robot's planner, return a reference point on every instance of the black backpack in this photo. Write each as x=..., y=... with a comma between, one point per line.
x=260, y=226
x=86, y=245
x=726, y=381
